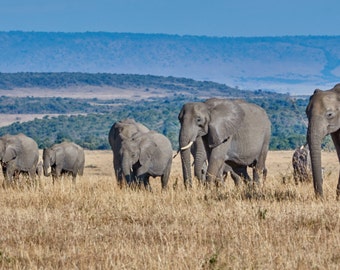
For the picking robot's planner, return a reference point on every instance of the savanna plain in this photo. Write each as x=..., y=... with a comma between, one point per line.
x=96, y=225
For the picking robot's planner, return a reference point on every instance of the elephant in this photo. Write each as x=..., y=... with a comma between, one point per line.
x=323, y=113
x=18, y=154
x=64, y=158
x=147, y=154
x=233, y=132
x=199, y=154
x=301, y=164
x=38, y=171
x=120, y=131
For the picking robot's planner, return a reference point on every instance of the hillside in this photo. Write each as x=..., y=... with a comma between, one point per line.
x=295, y=64
x=82, y=107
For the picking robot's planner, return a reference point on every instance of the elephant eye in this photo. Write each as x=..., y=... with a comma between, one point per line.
x=330, y=114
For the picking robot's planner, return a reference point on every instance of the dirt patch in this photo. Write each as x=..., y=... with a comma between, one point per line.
x=87, y=92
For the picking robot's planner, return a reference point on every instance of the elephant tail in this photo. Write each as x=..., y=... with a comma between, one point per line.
x=176, y=153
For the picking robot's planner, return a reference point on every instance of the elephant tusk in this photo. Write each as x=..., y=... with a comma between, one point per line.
x=187, y=146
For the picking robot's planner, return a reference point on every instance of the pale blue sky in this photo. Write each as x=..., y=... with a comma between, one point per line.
x=182, y=17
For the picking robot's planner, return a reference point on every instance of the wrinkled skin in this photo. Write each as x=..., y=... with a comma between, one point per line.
x=147, y=154
x=323, y=112
x=64, y=158
x=301, y=164
x=200, y=156
x=18, y=154
x=234, y=132
x=120, y=131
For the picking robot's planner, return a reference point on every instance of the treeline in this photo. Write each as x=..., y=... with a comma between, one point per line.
x=90, y=125
x=88, y=121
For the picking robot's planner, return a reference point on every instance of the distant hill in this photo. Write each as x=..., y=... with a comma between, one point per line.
x=295, y=64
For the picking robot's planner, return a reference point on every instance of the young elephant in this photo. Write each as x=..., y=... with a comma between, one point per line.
x=120, y=131
x=18, y=154
x=64, y=158
x=147, y=154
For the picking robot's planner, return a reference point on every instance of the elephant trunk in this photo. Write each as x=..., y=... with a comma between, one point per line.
x=47, y=173
x=185, y=146
x=186, y=167
x=200, y=158
x=127, y=171
x=314, y=139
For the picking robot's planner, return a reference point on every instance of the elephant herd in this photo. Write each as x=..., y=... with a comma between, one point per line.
x=222, y=135
x=19, y=154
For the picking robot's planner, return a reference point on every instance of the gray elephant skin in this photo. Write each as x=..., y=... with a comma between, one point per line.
x=200, y=163
x=147, y=154
x=120, y=131
x=323, y=112
x=18, y=154
x=233, y=132
x=301, y=164
x=64, y=158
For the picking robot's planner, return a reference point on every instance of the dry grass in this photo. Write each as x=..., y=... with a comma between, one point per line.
x=96, y=225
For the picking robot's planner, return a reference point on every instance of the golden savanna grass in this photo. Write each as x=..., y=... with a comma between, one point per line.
x=97, y=225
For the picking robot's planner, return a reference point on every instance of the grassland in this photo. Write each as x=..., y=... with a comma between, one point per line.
x=96, y=225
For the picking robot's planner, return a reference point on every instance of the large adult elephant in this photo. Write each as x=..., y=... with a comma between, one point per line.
x=64, y=158
x=234, y=132
x=120, y=131
x=323, y=112
x=18, y=154
x=147, y=154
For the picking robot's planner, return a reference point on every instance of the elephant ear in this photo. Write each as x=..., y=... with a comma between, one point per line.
x=147, y=149
x=10, y=154
x=225, y=119
x=54, y=151
x=52, y=156
x=58, y=155
x=337, y=90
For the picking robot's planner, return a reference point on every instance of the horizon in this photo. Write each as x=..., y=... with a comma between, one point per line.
x=165, y=34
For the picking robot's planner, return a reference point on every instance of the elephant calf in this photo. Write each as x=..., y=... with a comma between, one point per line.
x=64, y=158
x=18, y=154
x=120, y=131
x=147, y=154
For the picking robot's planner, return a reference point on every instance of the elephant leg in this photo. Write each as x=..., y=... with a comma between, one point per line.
x=165, y=176
x=54, y=175
x=74, y=176
x=58, y=172
x=32, y=177
x=10, y=173
x=256, y=175
x=146, y=182
x=264, y=173
x=214, y=168
x=235, y=178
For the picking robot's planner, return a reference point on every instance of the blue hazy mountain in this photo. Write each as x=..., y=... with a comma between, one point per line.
x=295, y=64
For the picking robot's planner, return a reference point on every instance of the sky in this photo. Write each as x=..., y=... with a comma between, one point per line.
x=228, y=18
